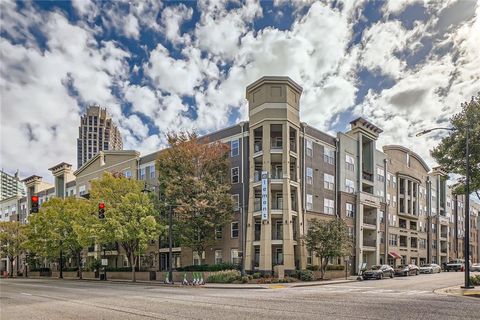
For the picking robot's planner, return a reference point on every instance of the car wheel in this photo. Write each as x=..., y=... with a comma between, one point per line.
x=381, y=276
x=392, y=275
x=416, y=273
x=431, y=271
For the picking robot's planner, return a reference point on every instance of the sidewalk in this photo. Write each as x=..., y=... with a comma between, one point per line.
x=226, y=285
x=459, y=292
x=245, y=285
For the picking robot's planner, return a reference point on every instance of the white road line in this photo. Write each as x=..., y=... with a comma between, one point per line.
x=27, y=294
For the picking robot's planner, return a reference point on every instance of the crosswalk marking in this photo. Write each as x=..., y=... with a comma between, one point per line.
x=367, y=290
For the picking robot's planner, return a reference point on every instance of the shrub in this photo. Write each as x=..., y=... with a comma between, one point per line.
x=40, y=269
x=335, y=267
x=313, y=268
x=256, y=275
x=304, y=275
x=475, y=280
x=225, y=276
x=213, y=267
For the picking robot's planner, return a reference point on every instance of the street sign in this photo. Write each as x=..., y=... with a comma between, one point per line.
x=104, y=262
x=264, y=195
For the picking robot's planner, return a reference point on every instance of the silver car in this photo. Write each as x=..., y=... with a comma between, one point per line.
x=475, y=267
x=430, y=268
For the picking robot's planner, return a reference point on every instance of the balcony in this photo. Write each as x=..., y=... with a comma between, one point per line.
x=370, y=220
x=444, y=235
x=369, y=243
x=367, y=176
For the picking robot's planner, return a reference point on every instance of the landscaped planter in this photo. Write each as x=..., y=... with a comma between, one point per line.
x=139, y=275
x=330, y=274
x=88, y=275
x=70, y=274
x=38, y=274
x=178, y=275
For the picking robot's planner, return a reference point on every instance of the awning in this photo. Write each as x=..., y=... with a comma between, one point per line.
x=394, y=255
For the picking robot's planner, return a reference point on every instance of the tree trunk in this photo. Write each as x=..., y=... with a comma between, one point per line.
x=10, y=275
x=79, y=264
x=133, y=262
x=323, y=267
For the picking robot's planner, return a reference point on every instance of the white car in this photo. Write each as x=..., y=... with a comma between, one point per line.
x=475, y=267
x=430, y=268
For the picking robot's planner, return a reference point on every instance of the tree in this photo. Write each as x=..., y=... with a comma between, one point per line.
x=12, y=237
x=130, y=217
x=327, y=239
x=62, y=226
x=450, y=153
x=193, y=178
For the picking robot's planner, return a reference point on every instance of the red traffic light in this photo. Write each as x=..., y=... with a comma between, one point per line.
x=101, y=205
x=34, y=199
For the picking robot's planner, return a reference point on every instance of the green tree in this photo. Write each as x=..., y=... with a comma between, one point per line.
x=12, y=238
x=327, y=239
x=130, y=217
x=193, y=177
x=450, y=153
x=62, y=225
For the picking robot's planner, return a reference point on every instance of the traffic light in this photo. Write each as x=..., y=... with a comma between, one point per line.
x=34, y=204
x=101, y=210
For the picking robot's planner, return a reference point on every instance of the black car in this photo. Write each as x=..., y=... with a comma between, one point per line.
x=407, y=270
x=378, y=272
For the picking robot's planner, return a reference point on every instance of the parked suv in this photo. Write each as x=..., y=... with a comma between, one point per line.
x=378, y=272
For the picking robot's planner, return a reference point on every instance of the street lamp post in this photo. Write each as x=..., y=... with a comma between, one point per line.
x=466, y=242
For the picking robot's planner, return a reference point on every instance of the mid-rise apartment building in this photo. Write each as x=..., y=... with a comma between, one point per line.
x=97, y=132
x=285, y=173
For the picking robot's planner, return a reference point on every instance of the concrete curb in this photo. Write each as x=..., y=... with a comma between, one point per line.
x=456, y=291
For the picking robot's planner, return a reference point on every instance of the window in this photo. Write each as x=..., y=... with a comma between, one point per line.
x=382, y=216
x=388, y=198
x=81, y=190
x=329, y=155
x=422, y=243
x=234, y=176
x=408, y=160
x=349, y=162
x=236, y=202
x=350, y=232
x=218, y=256
x=349, y=186
x=382, y=237
x=309, y=148
x=328, y=181
x=394, y=203
x=309, y=202
x=392, y=220
x=393, y=240
x=394, y=180
x=234, y=231
x=350, y=210
x=328, y=206
x=234, y=256
x=380, y=174
x=142, y=174
x=218, y=232
x=234, y=148
x=152, y=171
x=309, y=175
x=197, y=260
x=127, y=173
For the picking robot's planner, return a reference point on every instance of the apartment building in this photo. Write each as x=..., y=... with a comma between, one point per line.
x=285, y=173
x=10, y=185
x=97, y=132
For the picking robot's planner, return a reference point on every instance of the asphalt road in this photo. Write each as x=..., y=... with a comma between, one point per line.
x=398, y=298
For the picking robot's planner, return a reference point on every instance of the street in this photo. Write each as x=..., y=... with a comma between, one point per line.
x=398, y=298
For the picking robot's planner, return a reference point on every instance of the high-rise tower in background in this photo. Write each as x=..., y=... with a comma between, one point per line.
x=10, y=185
x=97, y=132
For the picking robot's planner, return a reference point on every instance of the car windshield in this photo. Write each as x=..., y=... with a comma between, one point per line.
x=375, y=267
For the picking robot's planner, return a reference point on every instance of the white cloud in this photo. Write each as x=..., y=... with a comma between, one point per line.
x=172, y=19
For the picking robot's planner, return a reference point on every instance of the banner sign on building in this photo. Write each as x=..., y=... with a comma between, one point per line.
x=264, y=195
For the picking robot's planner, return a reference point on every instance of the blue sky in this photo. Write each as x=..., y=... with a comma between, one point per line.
x=161, y=66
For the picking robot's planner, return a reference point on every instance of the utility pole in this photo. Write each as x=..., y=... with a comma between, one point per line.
x=170, y=245
x=466, y=241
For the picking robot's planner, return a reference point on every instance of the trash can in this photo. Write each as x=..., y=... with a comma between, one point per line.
x=102, y=276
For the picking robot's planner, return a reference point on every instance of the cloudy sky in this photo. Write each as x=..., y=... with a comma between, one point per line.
x=159, y=66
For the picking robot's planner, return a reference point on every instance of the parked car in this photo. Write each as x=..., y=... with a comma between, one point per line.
x=378, y=272
x=455, y=265
x=475, y=267
x=407, y=270
x=430, y=268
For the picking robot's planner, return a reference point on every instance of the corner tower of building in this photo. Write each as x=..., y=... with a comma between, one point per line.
x=273, y=221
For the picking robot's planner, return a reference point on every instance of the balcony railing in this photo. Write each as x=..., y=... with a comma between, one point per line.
x=257, y=146
x=257, y=175
x=369, y=243
x=277, y=145
x=370, y=220
x=444, y=235
x=367, y=176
